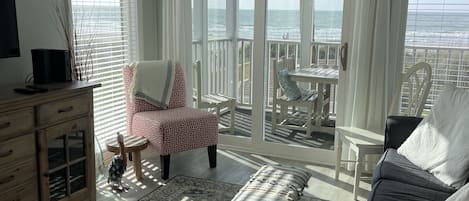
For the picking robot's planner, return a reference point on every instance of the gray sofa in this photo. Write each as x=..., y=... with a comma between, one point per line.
x=396, y=178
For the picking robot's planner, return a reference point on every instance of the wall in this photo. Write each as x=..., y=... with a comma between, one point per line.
x=36, y=29
x=148, y=30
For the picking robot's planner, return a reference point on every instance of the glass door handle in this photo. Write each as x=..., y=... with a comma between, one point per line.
x=343, y=56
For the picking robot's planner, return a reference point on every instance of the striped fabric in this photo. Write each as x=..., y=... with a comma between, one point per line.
x=176, y=129
x=275, y=182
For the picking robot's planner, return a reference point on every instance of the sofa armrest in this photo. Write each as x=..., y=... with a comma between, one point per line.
x=398, y=129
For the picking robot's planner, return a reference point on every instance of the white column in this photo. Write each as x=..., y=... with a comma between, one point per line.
x=204, y=62
x=306, y=10
x=232, y=27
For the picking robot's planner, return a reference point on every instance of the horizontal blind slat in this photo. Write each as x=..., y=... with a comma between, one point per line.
x=102, y=30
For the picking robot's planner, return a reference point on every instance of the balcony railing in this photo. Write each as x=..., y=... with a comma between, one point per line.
x=220, y=71
x=449, y=65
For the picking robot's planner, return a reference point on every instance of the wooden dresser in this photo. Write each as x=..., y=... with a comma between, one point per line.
x=47, y=143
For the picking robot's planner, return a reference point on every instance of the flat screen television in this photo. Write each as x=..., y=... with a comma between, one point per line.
x=9, y=45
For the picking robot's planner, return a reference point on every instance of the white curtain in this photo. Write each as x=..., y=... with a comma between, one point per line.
x=376, y=48
x=176, y=37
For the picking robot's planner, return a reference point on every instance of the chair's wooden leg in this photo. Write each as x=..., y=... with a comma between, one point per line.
x=165, y=160
x=138, y=165
x=274, y=118
x=358, y=173
x=338, y=156
x=130, y=156
x=284, y=112
x=233, y=112
x=309, y=123
x=212, y=155
x=328, y=105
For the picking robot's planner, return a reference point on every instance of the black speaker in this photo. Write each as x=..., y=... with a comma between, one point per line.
x=51, y=65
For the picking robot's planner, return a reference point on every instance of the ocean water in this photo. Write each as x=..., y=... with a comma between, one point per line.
x=281, y=24
x=438, y=29
x=423, y=28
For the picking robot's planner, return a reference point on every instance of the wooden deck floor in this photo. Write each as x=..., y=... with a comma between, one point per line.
x=285, y=136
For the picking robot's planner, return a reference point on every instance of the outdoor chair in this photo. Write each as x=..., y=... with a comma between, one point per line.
x=414, y=87
x=307, y=101
x=214, y=101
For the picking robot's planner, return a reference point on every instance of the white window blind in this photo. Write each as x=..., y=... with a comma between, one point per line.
x=107, y=29
x=438, y=33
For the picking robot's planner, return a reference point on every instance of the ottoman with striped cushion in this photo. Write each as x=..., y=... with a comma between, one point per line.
x=275, y=183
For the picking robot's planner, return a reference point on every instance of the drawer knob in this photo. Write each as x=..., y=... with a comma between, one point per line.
x=7, y=179
x=5, y=125
x=9, y=152
x=63, y=110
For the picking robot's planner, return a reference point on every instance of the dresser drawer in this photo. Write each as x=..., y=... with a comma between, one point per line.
x=58, y=110
x=15, y=174
x=23, y=192
x=16, y=149
x=16, y=121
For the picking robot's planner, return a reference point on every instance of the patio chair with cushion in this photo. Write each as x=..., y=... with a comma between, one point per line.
x=176, y=129
x=214, y=101
x=287, y=94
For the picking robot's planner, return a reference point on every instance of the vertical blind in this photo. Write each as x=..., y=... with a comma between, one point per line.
x=106, y=29
x=438, y=33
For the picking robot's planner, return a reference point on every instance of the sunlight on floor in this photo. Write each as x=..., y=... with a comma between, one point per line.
x=233, y=167
x=151, y=179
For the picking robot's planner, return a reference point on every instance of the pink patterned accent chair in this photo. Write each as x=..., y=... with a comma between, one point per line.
x=177, y=129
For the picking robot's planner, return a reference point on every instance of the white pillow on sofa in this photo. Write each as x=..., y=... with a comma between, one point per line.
x=461, y=194
x=440, y=143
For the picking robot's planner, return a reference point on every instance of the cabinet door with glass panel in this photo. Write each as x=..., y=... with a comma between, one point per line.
x=64, y=161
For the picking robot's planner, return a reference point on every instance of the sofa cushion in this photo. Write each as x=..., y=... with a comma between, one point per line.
x=388, y=190
x=393, y=166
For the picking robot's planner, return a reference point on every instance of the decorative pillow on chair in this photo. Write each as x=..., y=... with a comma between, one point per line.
x=289, y=87
x=440, y=143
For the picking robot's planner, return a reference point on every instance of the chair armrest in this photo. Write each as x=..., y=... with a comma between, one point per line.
x=398, y=129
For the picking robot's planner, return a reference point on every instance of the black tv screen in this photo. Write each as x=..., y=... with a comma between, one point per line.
x=9, y=45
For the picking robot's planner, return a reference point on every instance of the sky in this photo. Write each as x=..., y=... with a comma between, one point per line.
x=281, y=4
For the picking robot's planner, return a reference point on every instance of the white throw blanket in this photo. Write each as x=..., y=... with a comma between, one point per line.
x=153, y=82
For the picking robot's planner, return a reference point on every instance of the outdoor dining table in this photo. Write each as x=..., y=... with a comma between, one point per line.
x=324, y=76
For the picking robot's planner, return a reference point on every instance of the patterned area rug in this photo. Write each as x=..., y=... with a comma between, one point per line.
x=194, y=189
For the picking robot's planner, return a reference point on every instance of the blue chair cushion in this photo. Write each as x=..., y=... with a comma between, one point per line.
x=289, y=87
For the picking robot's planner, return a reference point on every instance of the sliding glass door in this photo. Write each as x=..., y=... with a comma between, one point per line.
x=222, y=41
x=239, y=41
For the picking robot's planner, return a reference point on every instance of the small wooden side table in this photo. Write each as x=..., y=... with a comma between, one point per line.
x=362, y=142
x=133, y=145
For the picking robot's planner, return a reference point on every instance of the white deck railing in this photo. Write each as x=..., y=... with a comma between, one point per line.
x=220, y=70
x=449, y=65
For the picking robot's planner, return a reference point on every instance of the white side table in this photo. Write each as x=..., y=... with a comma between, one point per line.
x=362, y=142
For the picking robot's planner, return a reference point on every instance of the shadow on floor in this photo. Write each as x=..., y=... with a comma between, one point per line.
x=233, y=167
x=243, y=127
